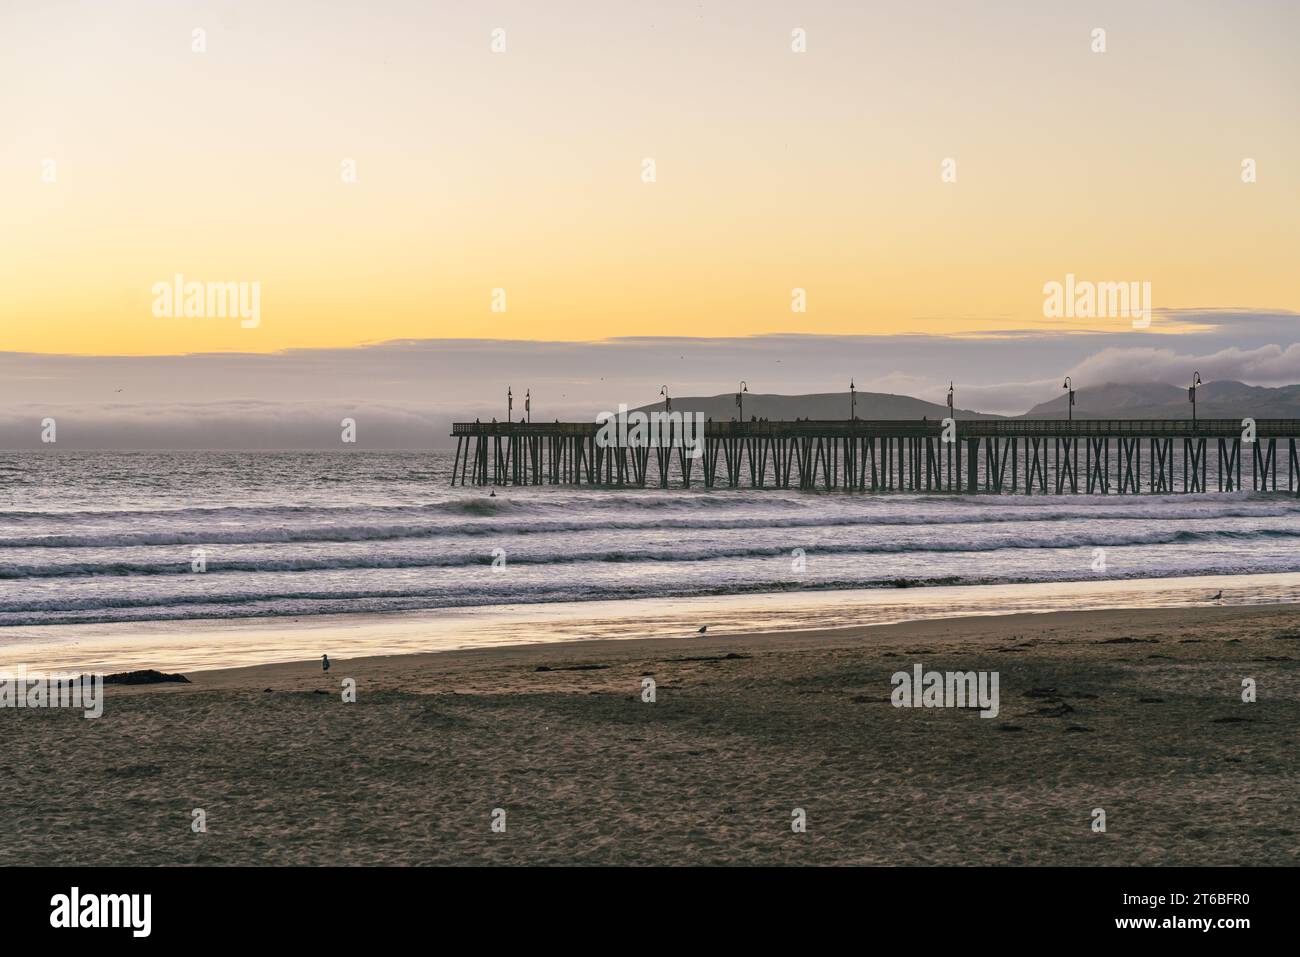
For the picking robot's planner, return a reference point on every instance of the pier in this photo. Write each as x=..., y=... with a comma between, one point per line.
x=996, y=456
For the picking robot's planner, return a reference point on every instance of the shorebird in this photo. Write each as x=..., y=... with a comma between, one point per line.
x=1218, y=596
x=702, y=630
x=324, y=662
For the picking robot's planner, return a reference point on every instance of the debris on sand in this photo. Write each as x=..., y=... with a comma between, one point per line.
x=146, y=677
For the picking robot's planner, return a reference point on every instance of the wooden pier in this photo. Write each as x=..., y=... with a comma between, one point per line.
x=1091, y=456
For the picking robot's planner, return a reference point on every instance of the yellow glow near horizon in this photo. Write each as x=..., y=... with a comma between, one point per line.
x=522, y=170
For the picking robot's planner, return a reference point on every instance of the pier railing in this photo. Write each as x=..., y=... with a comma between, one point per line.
x=1212, y=428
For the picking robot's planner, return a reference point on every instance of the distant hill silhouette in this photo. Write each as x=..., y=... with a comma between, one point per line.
x=1214, y=400
x=821, y=406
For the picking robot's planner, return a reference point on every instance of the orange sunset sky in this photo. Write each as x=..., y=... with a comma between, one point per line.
x=522, y=170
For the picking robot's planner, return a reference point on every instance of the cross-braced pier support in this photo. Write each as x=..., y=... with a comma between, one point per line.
x=1089, y=456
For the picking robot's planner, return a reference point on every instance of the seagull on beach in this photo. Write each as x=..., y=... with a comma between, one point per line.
x=324, y=662
x=1218, y=596
x=702, y=630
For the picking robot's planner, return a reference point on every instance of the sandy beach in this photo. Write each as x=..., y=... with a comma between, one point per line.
x=1138, y=712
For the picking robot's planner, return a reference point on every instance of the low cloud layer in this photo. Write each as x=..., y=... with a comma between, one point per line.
x=1270, y=365
x=405, y=394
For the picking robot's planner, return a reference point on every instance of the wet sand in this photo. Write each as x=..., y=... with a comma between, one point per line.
x=190, y=645
x=1137, y=712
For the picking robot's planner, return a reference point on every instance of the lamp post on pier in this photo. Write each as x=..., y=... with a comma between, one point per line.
x=668, y=400
x=1069, y=409
x=1191, y=395
x=853, y=401
x=510, y=404
x=528, y=404
x=740, y=399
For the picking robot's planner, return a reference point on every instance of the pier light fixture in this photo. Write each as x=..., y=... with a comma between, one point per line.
x=1069, y=408
x=668, y=400
x=950, y=398
x=740, y=399
x=1191, y=396
x=510, y=404
x=528, y=404
x=853, y=401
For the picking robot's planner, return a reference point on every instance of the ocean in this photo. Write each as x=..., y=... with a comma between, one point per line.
x=100, y=537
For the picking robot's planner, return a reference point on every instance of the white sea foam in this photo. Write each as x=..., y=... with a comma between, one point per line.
x=105, y=537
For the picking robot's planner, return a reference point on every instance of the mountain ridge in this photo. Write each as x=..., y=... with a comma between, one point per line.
x=1221, y=399
x=819, y=406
